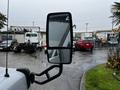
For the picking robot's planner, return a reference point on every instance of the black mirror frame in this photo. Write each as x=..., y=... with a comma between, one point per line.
x=71, y=34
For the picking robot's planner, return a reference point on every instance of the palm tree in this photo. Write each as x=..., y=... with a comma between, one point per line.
x=3, y=20
x=116, y=13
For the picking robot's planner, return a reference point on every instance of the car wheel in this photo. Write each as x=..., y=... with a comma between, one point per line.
x=91, y=50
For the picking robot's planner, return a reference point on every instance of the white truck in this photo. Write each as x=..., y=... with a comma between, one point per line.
x=112, y=38
x=34, y=38
x=29, y=39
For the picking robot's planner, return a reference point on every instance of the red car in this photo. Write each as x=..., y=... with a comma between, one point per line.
x=84, y=44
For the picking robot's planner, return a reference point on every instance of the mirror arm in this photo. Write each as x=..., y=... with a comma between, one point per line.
x=46, y=72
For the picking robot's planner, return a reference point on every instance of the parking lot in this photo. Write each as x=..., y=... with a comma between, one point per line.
x=72, y=73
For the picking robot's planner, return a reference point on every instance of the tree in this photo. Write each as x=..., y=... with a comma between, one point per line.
x=116, y=13
x=3, y=20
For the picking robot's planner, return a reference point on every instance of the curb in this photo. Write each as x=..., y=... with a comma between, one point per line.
x=82, y=83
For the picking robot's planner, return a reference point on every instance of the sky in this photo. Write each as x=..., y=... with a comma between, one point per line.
x=94, y=12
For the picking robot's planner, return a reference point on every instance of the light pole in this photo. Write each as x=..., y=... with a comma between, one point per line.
x=86, y=26
x=6, y=71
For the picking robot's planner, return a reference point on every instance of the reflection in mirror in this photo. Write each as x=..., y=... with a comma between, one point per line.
x=59, y=38
x=59, y=55
x=59, y=30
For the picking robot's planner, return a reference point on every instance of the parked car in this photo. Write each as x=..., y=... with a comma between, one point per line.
x=4, y=45
x=84, y=45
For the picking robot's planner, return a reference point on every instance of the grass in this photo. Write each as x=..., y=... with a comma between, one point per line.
x=101, y=78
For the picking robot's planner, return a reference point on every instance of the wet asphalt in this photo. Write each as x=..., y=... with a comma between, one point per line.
x=72, y=73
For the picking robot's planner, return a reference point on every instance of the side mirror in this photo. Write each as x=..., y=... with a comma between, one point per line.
x=59, y=38
x=59, y=42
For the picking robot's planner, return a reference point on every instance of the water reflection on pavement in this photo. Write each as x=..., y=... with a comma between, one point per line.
x=70, y=78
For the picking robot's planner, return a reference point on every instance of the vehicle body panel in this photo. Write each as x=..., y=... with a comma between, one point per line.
x=32, y=36
x=85, y=41
x=112, y=38
x=84, y=44
x=4, y=45
x=20, y=38
x=16, y=81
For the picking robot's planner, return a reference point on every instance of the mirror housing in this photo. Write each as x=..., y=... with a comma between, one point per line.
x=59, y=38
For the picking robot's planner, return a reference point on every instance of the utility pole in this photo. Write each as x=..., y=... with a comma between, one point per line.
x=33, y=23
x=6, y=70
x=86, y=26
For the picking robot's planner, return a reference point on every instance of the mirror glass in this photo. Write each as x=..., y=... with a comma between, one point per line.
x=59, y=38
x=59, y=30
x=59, y=56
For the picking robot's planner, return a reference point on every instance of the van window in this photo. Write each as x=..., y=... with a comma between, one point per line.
x=34, y=35
x=28, y=35
x=31, y=35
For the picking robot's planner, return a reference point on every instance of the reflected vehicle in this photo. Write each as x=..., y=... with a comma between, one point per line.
x=5, y=45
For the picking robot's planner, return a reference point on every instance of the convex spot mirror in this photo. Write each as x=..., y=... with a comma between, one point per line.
x=59, y=38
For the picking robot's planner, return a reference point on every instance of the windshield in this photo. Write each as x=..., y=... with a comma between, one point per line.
x=113, y=39
x=88, y=38
x=31, y=35
x=94, y=66
x=6, y=42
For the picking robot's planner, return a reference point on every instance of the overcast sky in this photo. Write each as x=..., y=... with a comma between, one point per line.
x=94, y=12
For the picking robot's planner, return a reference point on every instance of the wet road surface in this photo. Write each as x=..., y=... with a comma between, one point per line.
x=70, y=78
